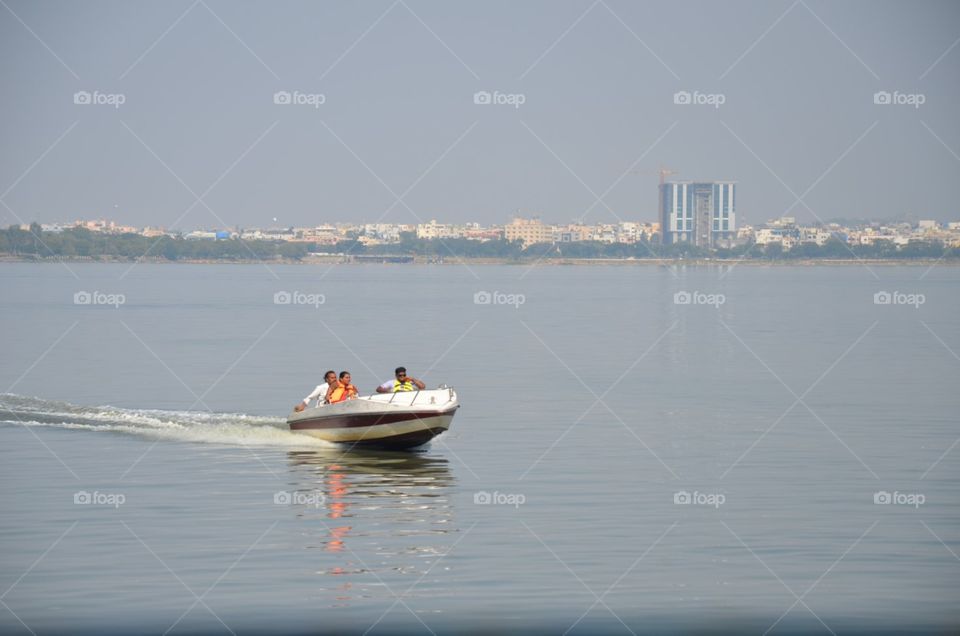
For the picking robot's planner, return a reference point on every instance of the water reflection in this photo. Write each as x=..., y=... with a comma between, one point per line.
x=381, y=511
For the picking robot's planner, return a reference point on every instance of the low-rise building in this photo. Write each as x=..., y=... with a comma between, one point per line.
x=783, y=235
x=530, y=231
x=434, y=230
x=572, y=233
x=203, y=235
x=483, y=234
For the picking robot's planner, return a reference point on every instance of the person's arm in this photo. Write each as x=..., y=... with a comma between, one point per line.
x=420, y=385
x=320, y=389
x=385, y=388
x=317, y=392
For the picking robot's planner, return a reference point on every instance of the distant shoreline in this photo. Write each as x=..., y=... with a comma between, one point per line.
x=421, y=260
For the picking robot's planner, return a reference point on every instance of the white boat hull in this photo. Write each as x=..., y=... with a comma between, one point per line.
x=384, y=420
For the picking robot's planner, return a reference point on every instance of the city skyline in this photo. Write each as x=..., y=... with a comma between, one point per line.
x=724, y=233
x=674, y=199
x=65, y=222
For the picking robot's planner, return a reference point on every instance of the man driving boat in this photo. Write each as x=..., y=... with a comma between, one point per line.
x=401, y=382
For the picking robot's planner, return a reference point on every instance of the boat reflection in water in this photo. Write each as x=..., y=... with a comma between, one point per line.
x=382, y=514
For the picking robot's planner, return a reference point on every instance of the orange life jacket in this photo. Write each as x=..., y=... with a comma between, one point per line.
x=342, y=392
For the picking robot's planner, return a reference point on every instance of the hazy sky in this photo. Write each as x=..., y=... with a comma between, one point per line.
x=597, y=80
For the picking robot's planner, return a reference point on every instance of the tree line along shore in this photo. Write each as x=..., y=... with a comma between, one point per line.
x=82, y=244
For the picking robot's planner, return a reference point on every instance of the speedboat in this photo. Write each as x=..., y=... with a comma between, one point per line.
x=404, y=419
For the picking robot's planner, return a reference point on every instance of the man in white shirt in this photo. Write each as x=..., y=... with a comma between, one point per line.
x=319, y=393
x=403, y=382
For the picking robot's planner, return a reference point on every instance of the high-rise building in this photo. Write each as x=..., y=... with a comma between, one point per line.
x=701, y=213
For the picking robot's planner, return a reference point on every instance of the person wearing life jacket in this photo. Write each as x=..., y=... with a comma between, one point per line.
x=401, y=382
x=342, y=390
x=319, y=394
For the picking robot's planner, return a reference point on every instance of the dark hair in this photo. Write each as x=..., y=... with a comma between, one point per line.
x=399, y=370
x=329, y=372
x=343, y=373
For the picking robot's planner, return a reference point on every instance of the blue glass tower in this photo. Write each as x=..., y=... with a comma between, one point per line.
x=700, y=213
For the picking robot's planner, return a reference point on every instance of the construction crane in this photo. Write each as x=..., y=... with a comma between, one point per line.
x=663, y=173
x=666, y=172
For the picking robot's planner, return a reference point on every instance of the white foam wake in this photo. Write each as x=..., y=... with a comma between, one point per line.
x=187, y=426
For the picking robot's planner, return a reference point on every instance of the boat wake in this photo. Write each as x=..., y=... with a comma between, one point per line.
x=187, y=426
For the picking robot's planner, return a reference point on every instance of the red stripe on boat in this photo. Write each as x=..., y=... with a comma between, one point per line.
x=364, y=419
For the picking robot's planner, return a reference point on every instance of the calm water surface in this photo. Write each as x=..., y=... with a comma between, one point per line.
x=593, y=402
